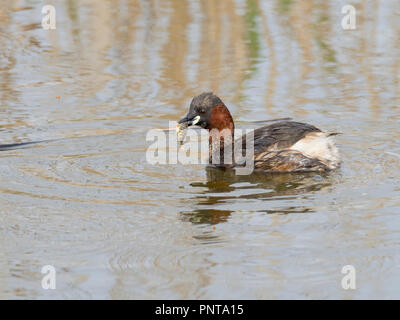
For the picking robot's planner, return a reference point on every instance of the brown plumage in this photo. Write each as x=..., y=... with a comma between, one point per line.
x=285, y=146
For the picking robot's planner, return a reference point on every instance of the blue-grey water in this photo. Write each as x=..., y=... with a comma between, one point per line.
x=116, y=227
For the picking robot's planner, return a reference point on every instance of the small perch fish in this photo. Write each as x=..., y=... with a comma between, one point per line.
x=181, y=130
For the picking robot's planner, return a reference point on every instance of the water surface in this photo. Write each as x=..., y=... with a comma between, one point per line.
x=116, y=227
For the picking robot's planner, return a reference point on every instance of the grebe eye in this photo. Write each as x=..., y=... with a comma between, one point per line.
x=202, y=110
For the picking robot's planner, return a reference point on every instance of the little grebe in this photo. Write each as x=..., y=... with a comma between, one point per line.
x=285, y=146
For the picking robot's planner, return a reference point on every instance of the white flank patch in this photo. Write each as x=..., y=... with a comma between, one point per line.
x=318, y=145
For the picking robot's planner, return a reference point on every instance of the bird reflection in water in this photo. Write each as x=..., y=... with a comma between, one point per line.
x=224, y=186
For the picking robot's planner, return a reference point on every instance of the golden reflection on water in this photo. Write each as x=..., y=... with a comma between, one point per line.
x=117, y=227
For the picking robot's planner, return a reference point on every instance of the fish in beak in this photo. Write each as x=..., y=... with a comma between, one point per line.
x=190, y=121
x=183, y=124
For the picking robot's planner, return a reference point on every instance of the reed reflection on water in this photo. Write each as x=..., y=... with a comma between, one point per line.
x=115, y=226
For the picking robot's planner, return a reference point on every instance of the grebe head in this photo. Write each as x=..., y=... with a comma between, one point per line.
x=209, y=112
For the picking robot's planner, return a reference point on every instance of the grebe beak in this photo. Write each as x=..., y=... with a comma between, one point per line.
x=191, y=121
